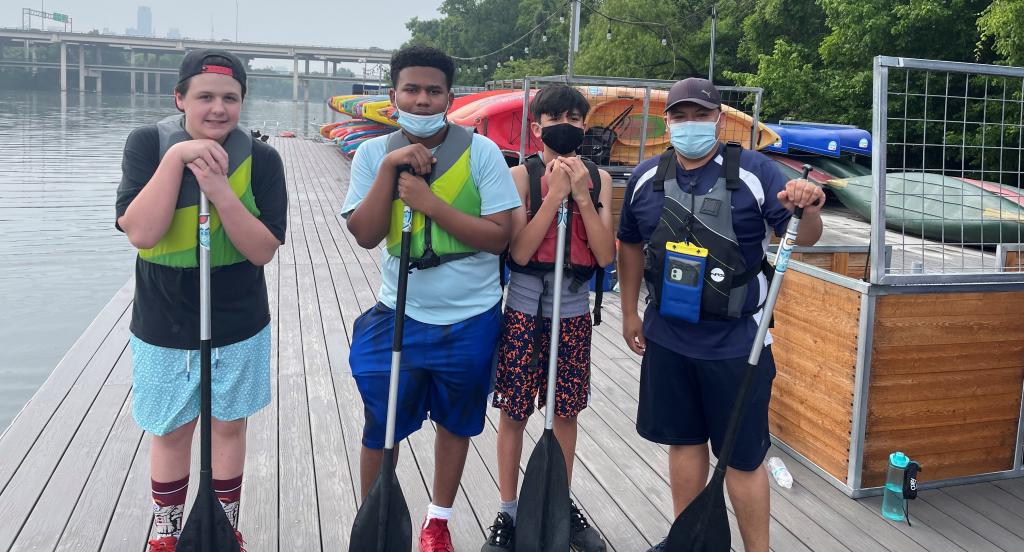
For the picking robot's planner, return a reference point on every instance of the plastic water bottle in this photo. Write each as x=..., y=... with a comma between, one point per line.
x=780, y=473
x=893, y=502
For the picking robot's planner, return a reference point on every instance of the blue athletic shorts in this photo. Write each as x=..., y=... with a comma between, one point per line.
x=445, y=371
x=165, y=382
x=686, y=401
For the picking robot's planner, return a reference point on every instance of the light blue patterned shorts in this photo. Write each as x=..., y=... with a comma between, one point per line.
x=165, y=393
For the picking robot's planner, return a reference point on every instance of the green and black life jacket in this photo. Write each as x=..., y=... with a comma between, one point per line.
x=179, y=246
x=452, y=181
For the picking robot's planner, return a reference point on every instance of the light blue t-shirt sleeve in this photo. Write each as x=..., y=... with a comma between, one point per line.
x=493, y=178
x=363, y=172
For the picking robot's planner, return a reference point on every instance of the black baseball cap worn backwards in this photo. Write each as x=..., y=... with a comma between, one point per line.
x=195, y=63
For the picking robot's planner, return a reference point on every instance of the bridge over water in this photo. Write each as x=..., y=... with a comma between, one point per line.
x=153, y=48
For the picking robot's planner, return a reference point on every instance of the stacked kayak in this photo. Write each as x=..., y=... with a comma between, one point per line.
x=369, y=117
x=618, y=112
x=819, y=139
x=614, y=123
x=497, y=115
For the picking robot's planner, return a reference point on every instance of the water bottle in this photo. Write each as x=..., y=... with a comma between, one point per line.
x=780, y=473
x=893, y=502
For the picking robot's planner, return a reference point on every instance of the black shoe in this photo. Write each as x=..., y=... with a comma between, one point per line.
x=503, y=534
x=583, y=537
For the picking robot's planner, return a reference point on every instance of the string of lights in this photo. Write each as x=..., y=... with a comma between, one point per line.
x=663, y=29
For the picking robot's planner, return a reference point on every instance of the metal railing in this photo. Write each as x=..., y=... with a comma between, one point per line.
x=947, y=160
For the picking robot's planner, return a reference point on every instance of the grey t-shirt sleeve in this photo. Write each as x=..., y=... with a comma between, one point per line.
x=138, y=164
x=269, y=189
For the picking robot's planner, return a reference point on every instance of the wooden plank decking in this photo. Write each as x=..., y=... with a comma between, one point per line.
x=74, y=468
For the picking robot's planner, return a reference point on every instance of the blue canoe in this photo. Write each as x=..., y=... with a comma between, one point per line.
x=820, y=139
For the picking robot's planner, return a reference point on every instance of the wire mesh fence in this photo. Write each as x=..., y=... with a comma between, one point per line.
x=945, y=189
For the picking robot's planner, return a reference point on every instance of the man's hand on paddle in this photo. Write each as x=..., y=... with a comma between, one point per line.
x=415, y=156
x=802, y=193
x=415, y=192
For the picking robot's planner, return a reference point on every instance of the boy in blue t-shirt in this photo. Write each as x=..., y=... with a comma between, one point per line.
x=453, y=304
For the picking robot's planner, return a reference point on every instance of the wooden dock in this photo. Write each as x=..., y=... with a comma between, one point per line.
x=74, y=468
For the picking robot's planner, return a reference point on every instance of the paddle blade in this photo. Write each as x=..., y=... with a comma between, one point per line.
x=396, y=520
x=207, y=509
x=543, y=520
x=704, y=524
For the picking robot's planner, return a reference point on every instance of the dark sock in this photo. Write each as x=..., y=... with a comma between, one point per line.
x=229, y=493
x=168, y=506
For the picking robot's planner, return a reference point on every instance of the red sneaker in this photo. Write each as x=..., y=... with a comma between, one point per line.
x=241, y=541
x=435, y=537
x=163, y=544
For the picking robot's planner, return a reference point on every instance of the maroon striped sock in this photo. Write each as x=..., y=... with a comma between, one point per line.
x=229, y=493
x=168, y=506
x=170, y=494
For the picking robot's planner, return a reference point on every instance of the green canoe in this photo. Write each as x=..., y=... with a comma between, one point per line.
x=941, y=208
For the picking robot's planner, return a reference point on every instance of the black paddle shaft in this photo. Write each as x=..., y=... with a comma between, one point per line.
x=387, y=471
x=207, y=528
x=781, y=265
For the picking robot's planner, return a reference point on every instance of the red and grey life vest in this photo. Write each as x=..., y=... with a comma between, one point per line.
x=705, y=221
x=580, y=262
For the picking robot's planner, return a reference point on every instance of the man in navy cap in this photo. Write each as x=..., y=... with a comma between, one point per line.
x=713, y=204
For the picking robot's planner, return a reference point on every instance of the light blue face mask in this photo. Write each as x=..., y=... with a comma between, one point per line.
x=422, y=126
x=694, y=139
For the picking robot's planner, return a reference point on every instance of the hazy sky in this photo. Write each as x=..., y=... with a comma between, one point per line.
x=358, y=23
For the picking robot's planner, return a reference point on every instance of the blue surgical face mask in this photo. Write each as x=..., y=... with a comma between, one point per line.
x=422, y=126
x=694, y=139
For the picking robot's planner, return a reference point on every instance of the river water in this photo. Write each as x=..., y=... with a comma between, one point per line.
x=61, y=259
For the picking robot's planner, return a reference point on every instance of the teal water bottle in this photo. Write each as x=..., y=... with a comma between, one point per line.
x=893, y=502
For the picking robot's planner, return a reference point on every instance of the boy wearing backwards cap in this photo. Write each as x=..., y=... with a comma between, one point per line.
x=164, y=168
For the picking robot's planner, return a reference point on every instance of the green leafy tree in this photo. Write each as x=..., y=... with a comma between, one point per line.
x=1002, y=23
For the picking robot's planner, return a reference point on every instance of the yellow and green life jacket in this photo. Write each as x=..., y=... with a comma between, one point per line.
x=179, y=246
x=452, y=181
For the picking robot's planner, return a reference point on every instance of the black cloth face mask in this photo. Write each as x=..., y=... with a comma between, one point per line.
x=563, y=138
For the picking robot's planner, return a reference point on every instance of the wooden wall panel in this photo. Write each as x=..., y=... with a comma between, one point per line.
x=850, y=264
x=618, y=191
x=815, y=347
x=946, y=377
x=1014, y=262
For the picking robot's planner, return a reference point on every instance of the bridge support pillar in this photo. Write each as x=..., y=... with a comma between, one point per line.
x=81, y=67
x=63, y=66
x=99, y=72
x=325, y=80
x=145, y=74
x=295, y=78
x=131, y=77
x=156, y=75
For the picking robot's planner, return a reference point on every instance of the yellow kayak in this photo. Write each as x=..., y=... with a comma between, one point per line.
x=622, y=107
x=336, y=102
x=377, y=112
